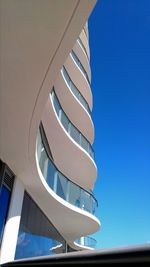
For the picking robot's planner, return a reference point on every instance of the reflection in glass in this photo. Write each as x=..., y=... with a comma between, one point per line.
x=61, y=185
x=37, y=236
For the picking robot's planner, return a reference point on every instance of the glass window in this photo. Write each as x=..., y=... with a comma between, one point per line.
x=94, y=205
x=84, y=143
x=43, y=162
x=61, y=186
x=75, y=134
x=37, y=236
x=64, y=121
x=4, y=204
x=91, y=152
x=51, y=174
x=86, y=201
x=74, y=90
x=56, y=103
x=75, y=195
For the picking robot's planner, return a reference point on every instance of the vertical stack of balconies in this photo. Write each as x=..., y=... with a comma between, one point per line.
x=67, y=162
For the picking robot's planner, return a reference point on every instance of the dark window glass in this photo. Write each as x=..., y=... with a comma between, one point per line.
x=75, y=134
x=37, y=236
x=61, y=186
x=56, y=103
x=51, y=174
x=84, y=143
x=4, y=204
x=64, y=121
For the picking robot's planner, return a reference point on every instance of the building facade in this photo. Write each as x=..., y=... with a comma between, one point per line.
x=47, y=167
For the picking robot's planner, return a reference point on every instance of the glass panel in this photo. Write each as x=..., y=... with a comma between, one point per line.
x=75, y=134
x=80, y=65
x=51, y=174
x=86, y=201
x=83, y=101
x=94, y=205
x=75, y=195
x=84, y=143
x=4, y=203
x=61, y=186
x=65, y=73
x=56, y=103
x=43, y=162
x=74, y=90
x=39, y=145
x=91, y=152
x=37, y=236
x=64, y=121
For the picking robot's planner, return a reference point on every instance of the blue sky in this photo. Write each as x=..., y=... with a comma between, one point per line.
x=120, y=61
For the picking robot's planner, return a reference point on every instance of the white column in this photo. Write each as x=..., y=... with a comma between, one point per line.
x=10, y=235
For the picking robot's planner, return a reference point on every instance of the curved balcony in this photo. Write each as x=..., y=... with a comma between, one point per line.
x=61, y=185
x=86, y=242
x=83, y=47
x=79, y=80
x=85, y=42
x=79, y=64
x=70, y=97
x=80, y=53
x=85, y=29
x=70, y=128
x=75, y=90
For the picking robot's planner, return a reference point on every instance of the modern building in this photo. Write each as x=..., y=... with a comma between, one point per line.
x=47, y=167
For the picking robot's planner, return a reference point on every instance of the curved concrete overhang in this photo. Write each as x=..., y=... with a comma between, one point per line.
x=75, y=111
x=70, y=221
x=85, y=42
x=79, y=79
x=34, y=46
x=70, y=158
x=82, y=57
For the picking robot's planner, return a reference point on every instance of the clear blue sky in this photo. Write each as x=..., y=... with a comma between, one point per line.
x=120, y=61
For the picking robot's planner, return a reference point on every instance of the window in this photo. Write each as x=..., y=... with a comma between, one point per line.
x=37, y=236
x=6, y=185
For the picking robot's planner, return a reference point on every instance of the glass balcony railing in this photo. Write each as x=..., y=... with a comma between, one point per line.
x=78, y=62
x=83, y=47
x=75, y=90
x=60, y=184
x=70, y=128
x=86, y=241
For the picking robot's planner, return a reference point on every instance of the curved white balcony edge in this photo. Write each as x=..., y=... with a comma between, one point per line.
x=80, y=53
x=79, y=222
x=85, y=42
x=81, y=83
x=83, y=169
x=74, y=108
x=70, y=128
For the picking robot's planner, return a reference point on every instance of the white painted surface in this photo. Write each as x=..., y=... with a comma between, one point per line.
x=70, y=158
x=74, y=109
x=12, y=224
x=79, y=79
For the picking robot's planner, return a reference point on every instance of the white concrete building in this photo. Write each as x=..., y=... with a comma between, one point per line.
x=47, y=167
